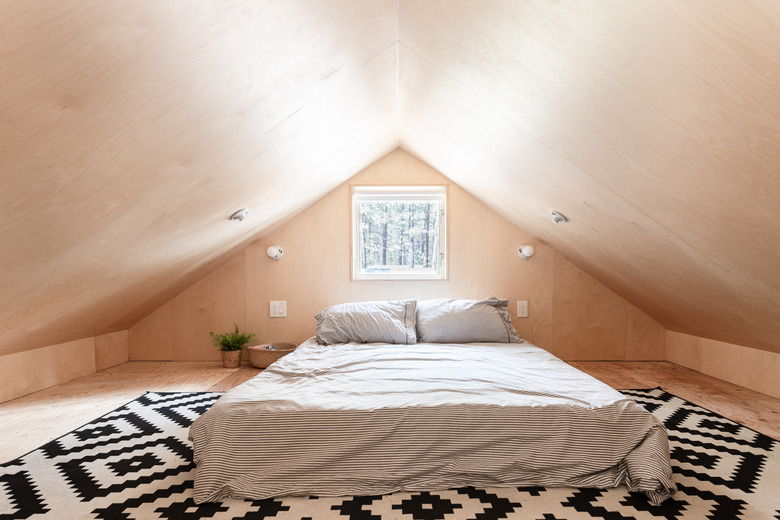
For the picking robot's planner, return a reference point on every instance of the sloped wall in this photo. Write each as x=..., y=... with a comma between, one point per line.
x=570, y=313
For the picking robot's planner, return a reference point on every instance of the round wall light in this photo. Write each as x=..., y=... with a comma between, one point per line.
x=275, y=252
x=525, y=251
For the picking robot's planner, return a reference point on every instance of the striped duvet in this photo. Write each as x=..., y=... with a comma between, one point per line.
x=359, y=419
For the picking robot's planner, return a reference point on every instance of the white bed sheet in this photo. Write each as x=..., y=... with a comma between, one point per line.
x=357, y=419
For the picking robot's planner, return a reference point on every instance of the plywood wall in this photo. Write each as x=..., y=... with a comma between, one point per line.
x=570, y=313
x=23, y=373
x=110, y=350
x=743, y=366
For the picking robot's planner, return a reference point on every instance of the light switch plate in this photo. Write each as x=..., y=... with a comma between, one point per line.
x=522, y=309
x=279, y=309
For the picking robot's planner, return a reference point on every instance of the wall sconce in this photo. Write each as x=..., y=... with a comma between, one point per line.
x=275, y=252
x=525, y=251
x=239, y=215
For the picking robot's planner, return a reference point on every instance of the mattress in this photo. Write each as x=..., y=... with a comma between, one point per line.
x=369, y=419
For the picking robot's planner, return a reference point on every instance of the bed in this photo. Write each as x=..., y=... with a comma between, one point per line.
x=363, y=417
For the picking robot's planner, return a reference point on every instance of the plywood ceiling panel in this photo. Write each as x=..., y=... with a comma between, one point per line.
x=652, y=126
x=130, y=131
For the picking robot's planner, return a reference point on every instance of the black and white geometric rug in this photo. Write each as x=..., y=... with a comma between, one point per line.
x=136, y=463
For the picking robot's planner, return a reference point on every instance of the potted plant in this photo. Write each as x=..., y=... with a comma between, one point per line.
x=231, y=343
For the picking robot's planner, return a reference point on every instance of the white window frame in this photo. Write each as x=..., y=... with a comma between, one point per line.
x=399, y=194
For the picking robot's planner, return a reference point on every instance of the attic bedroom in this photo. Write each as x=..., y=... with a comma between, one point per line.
x=132, y=131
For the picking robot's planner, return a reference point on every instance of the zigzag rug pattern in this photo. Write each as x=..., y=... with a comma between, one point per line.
x=136, y=463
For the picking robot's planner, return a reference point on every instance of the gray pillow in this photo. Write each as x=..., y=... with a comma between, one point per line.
x=465, y=321
x=368, y=322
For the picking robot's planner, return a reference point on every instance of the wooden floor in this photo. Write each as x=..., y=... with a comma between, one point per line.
x=30, y=421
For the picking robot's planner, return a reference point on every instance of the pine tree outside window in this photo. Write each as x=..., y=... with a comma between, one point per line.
x=398, y=232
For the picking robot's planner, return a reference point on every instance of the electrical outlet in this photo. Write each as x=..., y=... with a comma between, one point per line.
x=279, y=309
x=522, y=309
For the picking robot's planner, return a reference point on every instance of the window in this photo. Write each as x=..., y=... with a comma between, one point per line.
x=398, y=232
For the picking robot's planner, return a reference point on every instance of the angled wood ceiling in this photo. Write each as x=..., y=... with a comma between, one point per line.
x=130, y=131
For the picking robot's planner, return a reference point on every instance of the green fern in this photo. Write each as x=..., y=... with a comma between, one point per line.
x=231, y=340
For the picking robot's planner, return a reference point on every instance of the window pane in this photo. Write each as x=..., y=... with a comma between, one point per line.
x=399, y=237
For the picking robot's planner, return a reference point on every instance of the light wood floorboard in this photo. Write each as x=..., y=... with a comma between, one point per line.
x=753, y=409
x=30, y=421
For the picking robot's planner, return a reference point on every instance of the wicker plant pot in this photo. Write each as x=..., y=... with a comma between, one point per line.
x=260, y=356
x=231, y=358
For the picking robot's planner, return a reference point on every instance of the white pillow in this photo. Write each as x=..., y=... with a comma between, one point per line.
x=368, y=322
x=465, y=321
